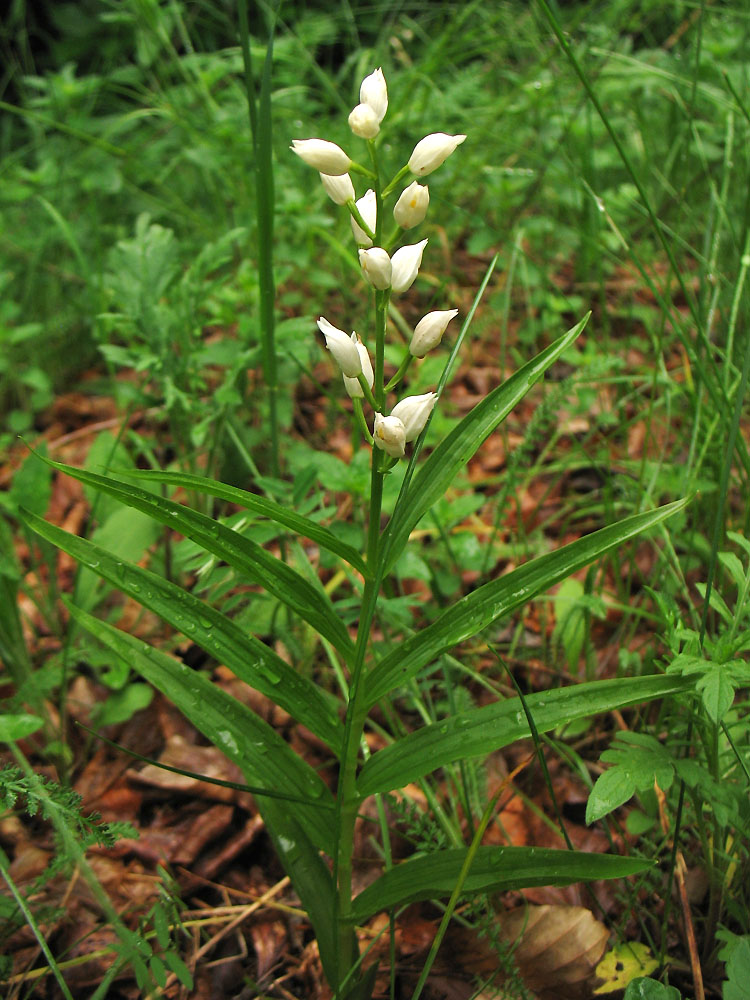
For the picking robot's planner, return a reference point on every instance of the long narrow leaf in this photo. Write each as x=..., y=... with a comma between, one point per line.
x=478, y=610
x=479, y=731
x=494, y=869
x=302, y=526
x=310, y=602
x=309, y=875
x=248, y=658
x=264, y=758
x=440, y=469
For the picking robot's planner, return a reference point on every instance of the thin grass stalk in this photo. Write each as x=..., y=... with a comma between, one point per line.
x=261, y=127
x=31, y=921
x=711, y=382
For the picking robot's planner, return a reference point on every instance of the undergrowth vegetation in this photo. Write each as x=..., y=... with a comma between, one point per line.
x=164, y=257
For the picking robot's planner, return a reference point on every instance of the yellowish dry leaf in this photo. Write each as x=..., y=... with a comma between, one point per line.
x=623, y=963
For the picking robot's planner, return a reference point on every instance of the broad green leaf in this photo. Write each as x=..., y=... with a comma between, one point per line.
x=452, y=454
x=176, y=965
x=638, y=760
x=717, y=690
x=738, y=970
x=264, y=758
x=479, y=731
x=303, y=526
x=499, y=597
x=32, y=485
x=18, y=726
x=248, y=658
x=570, y=620
x=310, y=602
x=495, y=869
x=122, y=705
x=641, y=988
x=126, y=532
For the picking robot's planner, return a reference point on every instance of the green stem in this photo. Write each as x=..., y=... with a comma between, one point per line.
x=348, y=799
x=261, y=127
x=403, y=172
x=358, y=218
x=368, y=394
x=408, y=358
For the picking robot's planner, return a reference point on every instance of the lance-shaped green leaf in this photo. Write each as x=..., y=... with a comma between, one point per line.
x=494, y=869
x=478, y=610
x=452, y=454
x=264, y=758
x=302, y=526
x=249, y=659
x=309, y=875
x=310, y=602
x=480, y=731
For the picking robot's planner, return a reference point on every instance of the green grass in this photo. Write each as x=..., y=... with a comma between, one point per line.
x=606, y=164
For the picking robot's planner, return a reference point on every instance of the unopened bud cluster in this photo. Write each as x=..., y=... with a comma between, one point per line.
x=388, y=272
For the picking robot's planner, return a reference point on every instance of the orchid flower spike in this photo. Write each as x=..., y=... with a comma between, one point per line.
x=325, y=156
x=374, y=93
x=389, y=434
x=411, y=207
x=413, y=412
x=339, y=189
x=405, y=265
x=352, y=385
x=376, y=266
x=429, y=331
x=367, y=207
x=363, y=121
x=342, y=347
x=431, y=151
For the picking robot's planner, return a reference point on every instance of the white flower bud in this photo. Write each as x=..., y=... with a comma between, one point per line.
x=376, y=265
x=431, y=151
x=411, y=207
x=413, y=412
x=405, y=265
x=375, y=93
x=367, y=206
x=342, y=347
x=363, y=121
x=429, y=331
x=339, y=189
x=390, y=435
x=352, y=384
x=325, y=156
